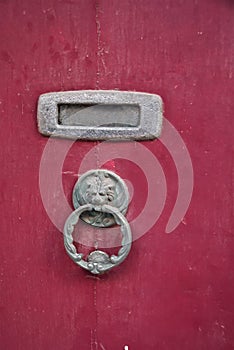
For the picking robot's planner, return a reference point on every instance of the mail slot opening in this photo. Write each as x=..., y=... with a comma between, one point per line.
x=99, y=115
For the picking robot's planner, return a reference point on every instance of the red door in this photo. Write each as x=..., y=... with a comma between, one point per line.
x=175, y=290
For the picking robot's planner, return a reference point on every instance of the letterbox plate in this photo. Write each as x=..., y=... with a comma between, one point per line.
x=100, y=115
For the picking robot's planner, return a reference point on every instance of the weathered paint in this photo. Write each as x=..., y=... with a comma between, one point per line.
x=174, y=291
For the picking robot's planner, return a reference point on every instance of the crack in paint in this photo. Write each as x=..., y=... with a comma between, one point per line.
x=99, y=49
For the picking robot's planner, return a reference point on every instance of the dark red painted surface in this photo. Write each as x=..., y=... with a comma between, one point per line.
x=174, y=291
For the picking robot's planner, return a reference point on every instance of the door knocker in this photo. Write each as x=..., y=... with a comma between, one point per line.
x=100, y=198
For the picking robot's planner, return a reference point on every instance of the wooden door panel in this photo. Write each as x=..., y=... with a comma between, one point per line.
x=174, y=291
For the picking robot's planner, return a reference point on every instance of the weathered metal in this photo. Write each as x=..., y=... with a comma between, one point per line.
x=100, y=187
x=100, y=115
x=102, y=195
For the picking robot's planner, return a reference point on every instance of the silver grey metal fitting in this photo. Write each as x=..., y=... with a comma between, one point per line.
x=100, y=115
x=100, y=198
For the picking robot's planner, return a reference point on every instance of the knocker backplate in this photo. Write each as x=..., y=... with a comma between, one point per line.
x=100, y=187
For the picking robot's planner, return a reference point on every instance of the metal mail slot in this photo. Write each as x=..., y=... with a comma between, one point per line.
x=100, y=115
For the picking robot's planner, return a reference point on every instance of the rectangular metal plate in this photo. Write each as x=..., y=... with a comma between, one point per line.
x=100, y=115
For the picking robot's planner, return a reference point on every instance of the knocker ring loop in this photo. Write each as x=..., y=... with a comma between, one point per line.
x=98, y=261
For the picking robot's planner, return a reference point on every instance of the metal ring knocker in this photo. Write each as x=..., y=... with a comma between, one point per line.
x=101, y=199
